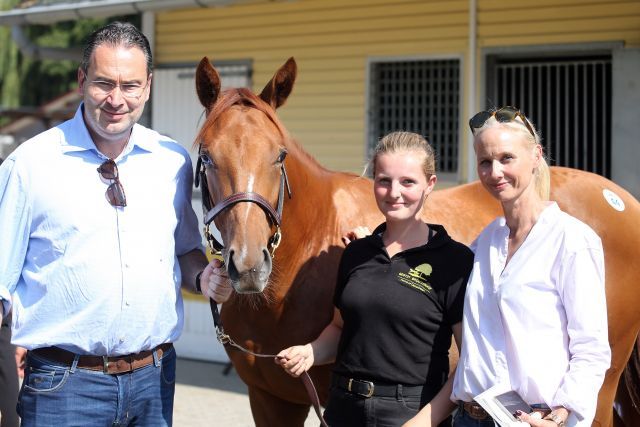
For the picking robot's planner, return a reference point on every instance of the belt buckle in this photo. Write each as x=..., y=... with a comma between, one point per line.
x=105, y=364
x=370, y=385
x=476, y=411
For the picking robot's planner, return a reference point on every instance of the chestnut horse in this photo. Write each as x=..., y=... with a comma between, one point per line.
x=287, y=299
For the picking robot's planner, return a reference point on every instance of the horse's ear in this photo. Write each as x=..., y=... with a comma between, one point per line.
x=276, y=92
x=207, y=84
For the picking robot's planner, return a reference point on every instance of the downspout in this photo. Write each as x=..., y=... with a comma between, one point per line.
x=471, y=84
x=28, y=48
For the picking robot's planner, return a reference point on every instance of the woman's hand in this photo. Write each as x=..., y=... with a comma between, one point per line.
x=214, y=282
x=357, y=233
x=534, y=419
x=296, y=360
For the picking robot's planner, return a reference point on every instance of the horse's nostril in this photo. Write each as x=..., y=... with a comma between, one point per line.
x=265, y=269
x=232, y=270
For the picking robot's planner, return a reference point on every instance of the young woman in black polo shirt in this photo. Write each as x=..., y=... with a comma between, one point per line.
x=399, y=296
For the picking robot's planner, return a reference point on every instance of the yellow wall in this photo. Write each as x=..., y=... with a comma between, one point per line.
x=558, y=22
x=332, y=40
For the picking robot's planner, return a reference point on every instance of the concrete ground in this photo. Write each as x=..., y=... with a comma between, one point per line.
x=206, y=397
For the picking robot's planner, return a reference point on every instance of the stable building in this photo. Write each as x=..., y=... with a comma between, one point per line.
x=367, y=67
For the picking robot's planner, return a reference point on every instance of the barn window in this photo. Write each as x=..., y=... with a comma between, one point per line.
x=421, y=96
x=567, y=98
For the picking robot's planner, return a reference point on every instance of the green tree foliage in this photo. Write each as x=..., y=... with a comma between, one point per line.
x=28, y=82
x=9, y=81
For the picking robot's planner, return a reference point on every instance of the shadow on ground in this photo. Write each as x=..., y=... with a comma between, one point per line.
x=209, y=375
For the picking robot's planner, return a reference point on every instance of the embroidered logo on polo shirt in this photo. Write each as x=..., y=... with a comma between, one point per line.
x=417, y=278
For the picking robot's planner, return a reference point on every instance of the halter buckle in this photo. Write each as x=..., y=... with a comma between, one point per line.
x=223, y=338
x=210, y=240
x=275, y=241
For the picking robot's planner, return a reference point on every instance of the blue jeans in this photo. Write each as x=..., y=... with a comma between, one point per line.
x=54, y=395
x=463, y=419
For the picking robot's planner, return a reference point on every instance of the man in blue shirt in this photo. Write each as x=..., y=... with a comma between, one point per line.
x=98, y=237
x=8, y=374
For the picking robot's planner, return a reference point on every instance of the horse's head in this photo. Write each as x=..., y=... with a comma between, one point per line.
x=242, y=151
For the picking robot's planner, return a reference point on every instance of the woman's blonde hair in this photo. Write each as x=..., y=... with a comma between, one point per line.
x=542, y=173
x=405, y=141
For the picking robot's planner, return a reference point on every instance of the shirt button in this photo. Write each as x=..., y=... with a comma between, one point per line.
x=121, y=340
x=127, y=303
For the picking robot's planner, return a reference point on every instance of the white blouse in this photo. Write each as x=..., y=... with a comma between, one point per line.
x=539, y=323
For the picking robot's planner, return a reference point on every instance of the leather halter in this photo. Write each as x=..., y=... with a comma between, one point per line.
x=275, y=217
x=212, y=211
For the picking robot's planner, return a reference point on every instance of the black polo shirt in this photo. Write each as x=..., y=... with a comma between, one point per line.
x=398, y=311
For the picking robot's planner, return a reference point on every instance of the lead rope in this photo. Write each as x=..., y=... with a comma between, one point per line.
x=225, y=340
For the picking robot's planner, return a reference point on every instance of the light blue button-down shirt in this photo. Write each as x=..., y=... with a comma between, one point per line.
x=79, y=273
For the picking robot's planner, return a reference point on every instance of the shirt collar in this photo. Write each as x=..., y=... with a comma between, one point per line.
x=548, y=213
x=440, y=238
x=76, y=136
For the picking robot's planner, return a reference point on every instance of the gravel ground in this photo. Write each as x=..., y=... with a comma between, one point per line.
x=206, y=397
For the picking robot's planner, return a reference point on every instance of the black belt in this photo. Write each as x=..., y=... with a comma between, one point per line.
x=369, y=388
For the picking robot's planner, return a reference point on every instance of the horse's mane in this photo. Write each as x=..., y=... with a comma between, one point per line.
x=245, y=97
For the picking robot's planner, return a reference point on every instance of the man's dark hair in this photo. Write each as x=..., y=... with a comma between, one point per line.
x=117, y=34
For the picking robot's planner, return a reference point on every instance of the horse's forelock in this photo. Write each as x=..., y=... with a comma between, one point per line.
x=239, y=96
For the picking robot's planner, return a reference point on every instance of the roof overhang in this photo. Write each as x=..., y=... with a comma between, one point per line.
x=72, y=10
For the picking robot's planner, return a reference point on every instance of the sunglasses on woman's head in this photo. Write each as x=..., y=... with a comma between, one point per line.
x=115, y=192
x=503, y=115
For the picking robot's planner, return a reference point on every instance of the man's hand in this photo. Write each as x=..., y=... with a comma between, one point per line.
x=215, y=283
x=21, y=360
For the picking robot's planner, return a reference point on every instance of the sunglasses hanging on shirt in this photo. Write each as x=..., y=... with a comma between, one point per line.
x=115, y=192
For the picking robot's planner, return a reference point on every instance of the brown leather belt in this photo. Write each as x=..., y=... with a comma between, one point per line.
x=474, y=410
x=106, y=364
x=477, y=412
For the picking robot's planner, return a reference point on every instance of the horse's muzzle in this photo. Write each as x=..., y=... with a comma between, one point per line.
x=249, y=279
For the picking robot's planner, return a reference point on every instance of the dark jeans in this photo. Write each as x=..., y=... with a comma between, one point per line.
x=345, y=409
x=54, y=395
x=462, y=419
x=8, y=377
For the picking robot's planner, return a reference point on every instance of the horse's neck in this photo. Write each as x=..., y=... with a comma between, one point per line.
x=327, y=204
x=463, y=210
x=324, y=206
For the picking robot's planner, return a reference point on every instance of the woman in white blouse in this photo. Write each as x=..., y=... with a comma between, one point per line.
x=535, y=316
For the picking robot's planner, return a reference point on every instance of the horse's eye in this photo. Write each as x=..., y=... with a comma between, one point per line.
x=282, y=156
x=206, y=160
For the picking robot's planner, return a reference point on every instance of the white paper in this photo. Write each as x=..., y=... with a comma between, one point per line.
x=487, y=400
